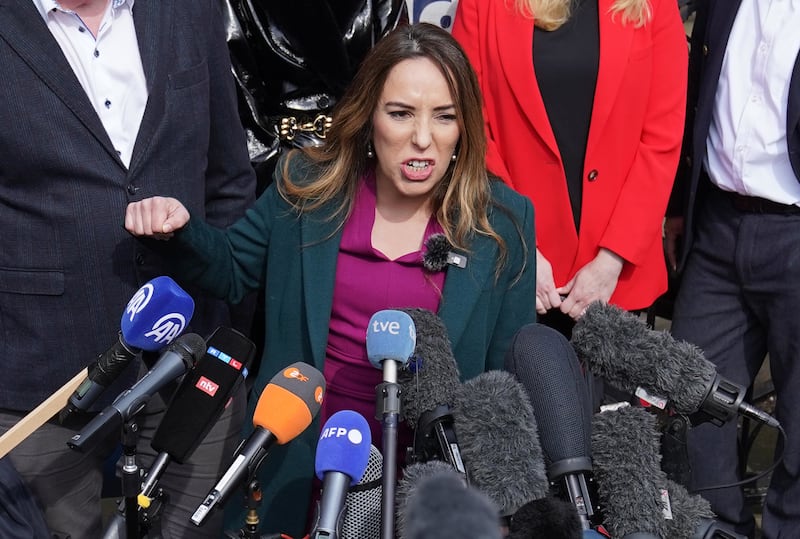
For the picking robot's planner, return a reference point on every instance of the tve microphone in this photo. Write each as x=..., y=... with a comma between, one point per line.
x=286, y=407
x=177, y=358
x=391, y=337
x=648, y=363
x=362, y=520
x=199, y=401
x=442, y=505
x=156, y=314
x=428, y=387
x=498, y=440
x=545, y=363
x=341, y=459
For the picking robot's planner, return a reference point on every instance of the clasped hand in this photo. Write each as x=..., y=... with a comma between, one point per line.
x=156, y=217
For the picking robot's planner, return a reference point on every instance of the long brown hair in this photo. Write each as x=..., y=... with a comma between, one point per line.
x=461, y=200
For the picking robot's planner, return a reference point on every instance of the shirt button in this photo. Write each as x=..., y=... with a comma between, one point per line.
x=107, y=104
x=81, y=29
x=132, y=189
x=96, y=53
x=592, y=176
x=139, y=259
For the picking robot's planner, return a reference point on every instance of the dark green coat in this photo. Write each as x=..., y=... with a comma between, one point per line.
x=294, y=257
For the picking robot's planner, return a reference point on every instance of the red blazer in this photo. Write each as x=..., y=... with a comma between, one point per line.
x=633, y=146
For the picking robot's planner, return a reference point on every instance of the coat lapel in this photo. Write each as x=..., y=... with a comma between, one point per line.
x=517, y=35
x=23, y=28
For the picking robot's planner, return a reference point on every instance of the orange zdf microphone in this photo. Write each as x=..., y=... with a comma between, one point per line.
x=285, y=409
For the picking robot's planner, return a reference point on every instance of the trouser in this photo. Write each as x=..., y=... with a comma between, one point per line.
x=739, y=300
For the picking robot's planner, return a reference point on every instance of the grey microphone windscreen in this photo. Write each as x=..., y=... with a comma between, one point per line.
x=498, y=439
x=413, y=474
x=689, y=511
x=362, y=519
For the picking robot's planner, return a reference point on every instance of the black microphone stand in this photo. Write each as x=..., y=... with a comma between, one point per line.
x=387, y=398
x=251, y=520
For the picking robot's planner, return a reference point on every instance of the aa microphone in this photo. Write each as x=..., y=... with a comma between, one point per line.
x=442, y=505
x=654, y=366
x=286, y=407
x=546, y=365
x=199, y=401
x=341, y=459
x=391, y=337
x=173, y=362
x=498, y=440
x=550, y=517
x=362, y=520
x=156, y=314
x=428, y=387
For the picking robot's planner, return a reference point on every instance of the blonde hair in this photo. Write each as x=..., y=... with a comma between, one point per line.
x=550, y=14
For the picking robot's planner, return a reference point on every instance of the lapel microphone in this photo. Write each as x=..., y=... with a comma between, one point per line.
x=438, y=254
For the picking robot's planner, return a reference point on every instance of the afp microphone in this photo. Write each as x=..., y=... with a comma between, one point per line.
x=428, y=387
x=199, y=401
x=622, y=349
x=341, y=459
x=286, y=407
x=156, y=314
x=172, y=363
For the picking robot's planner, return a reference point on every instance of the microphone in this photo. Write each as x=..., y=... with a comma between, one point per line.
x=363, y=516
x=178, y=357
x=546, y=365
x=199, y=401
x=548, y=517
x=442, y=505
x=341, y=459
x=498, y=440
x=391, y=337
x=157, y=313
x=427, y=386
x=286, y=407
x=657, y=368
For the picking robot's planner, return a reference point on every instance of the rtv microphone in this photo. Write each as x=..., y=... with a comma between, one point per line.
x=498, y=440
x=442, y=505
x=177, y=358
x=341, y=459
x=362, y=520
x=156, y=314
x=199, y=401
x=286, y=407
x=391, y=337
x=428, y=387
x=546, y=365
x=657, y=368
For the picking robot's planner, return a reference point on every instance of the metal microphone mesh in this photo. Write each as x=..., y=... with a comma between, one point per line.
x=362, y=519
x=545, y=363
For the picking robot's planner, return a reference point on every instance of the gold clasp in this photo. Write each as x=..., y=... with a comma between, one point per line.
x=290, y=126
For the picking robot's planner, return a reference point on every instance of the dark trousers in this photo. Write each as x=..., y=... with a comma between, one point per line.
x=739, y=301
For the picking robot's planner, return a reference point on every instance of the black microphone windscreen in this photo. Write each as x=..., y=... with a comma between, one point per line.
x=621, y=348
x=362, y=518
x=437, y=247
x=544, y=362
x=498, y=440
x=431, y=377
x=443, y=506
x=413, y=474
x=627, y=467
x=549, y=517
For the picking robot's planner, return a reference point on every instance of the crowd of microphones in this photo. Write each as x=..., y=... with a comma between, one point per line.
x=515, y=453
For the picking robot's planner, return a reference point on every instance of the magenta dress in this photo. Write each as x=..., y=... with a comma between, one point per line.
x=367, y=282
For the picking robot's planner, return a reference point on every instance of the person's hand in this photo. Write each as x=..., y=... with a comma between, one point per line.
x=673, y=231
x=595, y=281
x=546, y=295
x=156, y=217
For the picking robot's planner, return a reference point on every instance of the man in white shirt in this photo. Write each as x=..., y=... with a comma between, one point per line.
x=737, y=204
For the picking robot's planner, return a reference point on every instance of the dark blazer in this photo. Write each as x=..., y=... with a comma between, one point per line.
x=67, y=266
x=712, y=27
x=294, y=258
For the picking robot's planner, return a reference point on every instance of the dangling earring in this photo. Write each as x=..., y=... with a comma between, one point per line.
x=454, y=157
x=370, y=152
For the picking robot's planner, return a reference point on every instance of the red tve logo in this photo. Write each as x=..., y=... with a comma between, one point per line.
x=207, y=386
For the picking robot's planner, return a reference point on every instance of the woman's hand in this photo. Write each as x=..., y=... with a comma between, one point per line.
x=547, y=297
x=594, y=281
x=156, y=217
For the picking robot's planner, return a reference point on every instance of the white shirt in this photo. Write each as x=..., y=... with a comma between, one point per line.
x=107, y=65
x=746, y=145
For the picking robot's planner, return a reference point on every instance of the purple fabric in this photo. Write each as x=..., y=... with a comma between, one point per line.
x=367, y=282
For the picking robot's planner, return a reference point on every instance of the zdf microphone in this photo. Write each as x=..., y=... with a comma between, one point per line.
x=155, y=315
x=286, y=407
x=341, y=459
x=622, y=349
x=173, y=362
